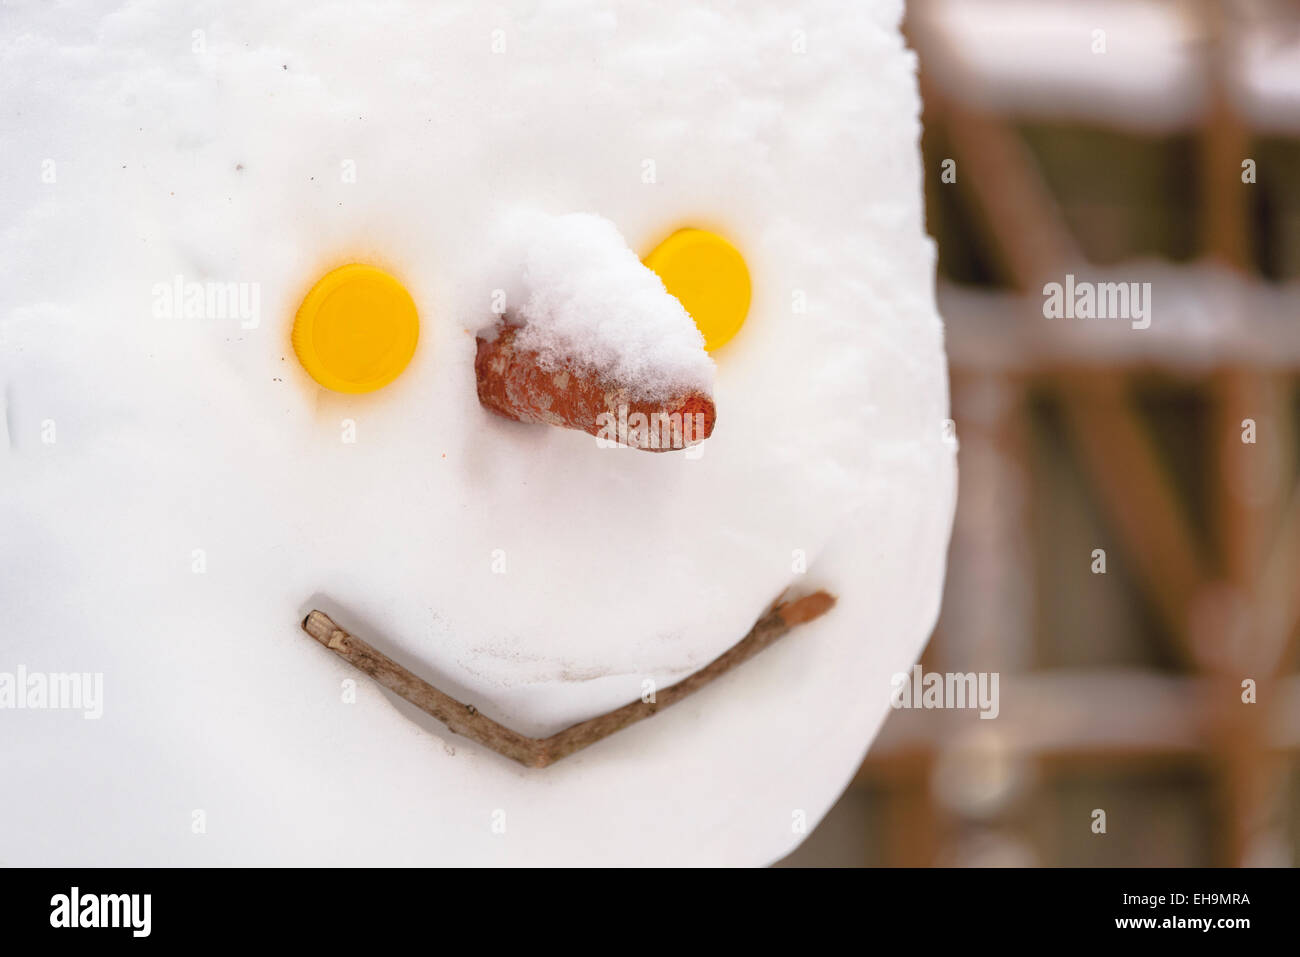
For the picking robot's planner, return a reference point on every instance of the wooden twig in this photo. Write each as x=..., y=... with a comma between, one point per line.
x=469, y=722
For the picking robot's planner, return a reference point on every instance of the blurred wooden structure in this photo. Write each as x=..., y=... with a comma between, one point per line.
x=1207, y=549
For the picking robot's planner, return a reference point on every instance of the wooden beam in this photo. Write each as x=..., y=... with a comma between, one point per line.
x=1280, y=588
x=1079, y=715
x=999, y=332
x=1245, y=776
x=1139, y=496
x=1257, y=532
x=996, y=170
x=1225, y=142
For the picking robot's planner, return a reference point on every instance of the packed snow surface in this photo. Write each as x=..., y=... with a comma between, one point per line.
x=176, y=492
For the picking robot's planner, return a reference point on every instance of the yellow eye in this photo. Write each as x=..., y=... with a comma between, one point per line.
x=709, y=278
x=356, y=330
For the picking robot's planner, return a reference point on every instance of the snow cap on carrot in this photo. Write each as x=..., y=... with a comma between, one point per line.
x=589, y=339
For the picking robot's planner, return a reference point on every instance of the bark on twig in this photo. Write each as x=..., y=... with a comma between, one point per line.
x=467, y=721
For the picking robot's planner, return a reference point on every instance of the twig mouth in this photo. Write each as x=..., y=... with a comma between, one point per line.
x=465, y=719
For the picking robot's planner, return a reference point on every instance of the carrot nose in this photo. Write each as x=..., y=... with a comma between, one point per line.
x=594, y=340
x=515, y=381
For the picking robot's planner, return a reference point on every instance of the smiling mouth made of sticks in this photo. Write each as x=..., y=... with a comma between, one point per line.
x=467, y=721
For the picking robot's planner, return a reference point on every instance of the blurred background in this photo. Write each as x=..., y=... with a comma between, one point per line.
x=1109, y=139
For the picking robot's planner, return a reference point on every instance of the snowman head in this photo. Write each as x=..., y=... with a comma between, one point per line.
x=204, y=491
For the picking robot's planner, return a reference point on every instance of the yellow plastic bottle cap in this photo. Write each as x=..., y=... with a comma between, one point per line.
x=356, y=330
x=709, y=278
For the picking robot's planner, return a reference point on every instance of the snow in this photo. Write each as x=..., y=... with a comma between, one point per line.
x=1268, y=87
x=586, y=302
x=177, y=493
x=1127, y=62
x=1043, y=61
